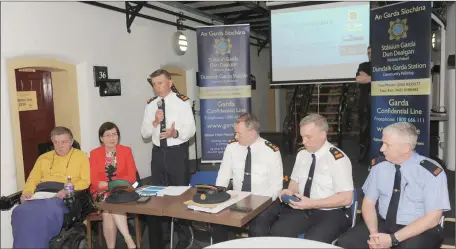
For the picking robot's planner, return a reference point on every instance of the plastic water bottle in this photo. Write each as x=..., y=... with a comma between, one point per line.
x=69, y=187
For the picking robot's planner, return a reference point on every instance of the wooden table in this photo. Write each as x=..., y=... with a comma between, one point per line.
x=155, y=206
x=173, y=206
x=177, y=209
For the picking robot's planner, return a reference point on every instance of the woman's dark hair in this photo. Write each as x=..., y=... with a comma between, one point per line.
x=106, y=126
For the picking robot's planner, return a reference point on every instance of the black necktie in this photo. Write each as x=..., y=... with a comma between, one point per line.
x=163, y=142
x=394, y=202
x=310, y=178
x=247, y=183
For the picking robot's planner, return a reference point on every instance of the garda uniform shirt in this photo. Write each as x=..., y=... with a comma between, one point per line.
x=423, y=188
x=178, y=110
x=266, y=171
x=333, y=172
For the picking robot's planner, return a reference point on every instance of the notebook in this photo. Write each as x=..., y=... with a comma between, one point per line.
x=149, y=190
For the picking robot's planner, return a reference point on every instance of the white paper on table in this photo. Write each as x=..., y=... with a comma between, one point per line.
x=42, y=195
x=235, y=197
x=173, y=190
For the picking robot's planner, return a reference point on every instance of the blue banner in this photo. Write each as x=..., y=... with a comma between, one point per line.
x=225, y=91
x=401, y=70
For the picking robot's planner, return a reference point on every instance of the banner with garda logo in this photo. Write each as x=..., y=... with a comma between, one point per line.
x=224, y=88
x=401, y=72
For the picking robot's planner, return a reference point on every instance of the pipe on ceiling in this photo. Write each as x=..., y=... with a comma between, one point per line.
x=117, y=9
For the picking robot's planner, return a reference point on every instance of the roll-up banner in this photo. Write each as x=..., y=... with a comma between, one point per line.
x=224, y=88
x=401, y=73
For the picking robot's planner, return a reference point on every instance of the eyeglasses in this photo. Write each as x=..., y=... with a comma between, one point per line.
x=57, y=143
x=111, y=135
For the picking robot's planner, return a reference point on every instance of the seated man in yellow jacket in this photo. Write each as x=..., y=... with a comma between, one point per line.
x=36, y=222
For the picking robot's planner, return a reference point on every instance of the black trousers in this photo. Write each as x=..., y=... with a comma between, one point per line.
x=169, y=167
x=364, y=115
x=358, y=236
x=320, y=225
x=258, y=226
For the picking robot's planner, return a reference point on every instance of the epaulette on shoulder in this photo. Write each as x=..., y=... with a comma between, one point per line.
x=377, y=160
x=274, y=147
x=151, y=99
x=182, y=97
x=431, y=167
x=301, y=149
x=232, y=141
x=337, y=154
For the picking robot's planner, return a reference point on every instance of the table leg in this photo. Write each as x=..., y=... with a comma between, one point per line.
x=171, y=240
x=192, y=237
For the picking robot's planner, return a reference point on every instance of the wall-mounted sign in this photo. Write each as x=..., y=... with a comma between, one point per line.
x=110, y=87
x=100, y=73
x=26, y=101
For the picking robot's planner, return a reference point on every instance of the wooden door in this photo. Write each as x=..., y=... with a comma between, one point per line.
x=36, y=115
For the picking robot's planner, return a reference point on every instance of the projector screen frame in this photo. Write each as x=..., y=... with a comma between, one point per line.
x=303, y=82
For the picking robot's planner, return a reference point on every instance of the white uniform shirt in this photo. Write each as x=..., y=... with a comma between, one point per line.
x=331, y=175
x=266, y=171
x=178, y=110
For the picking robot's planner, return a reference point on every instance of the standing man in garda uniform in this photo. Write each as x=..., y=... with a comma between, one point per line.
x=255, y=165
x=322, y=179
x=168, y=119
x=412, y=193
x=363, y=78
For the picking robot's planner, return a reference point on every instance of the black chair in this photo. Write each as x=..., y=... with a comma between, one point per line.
x=72, y=234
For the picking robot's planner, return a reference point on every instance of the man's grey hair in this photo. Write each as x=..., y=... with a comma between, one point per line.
x=250, y=121
x=317, y=119
x=60, y=130
x=405, y=131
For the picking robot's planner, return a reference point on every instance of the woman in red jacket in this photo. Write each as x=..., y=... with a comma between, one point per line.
x=116, y=158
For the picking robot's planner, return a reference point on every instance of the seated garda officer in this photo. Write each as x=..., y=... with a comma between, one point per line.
x=255, y=166
x=322, y=179
x=411, y=191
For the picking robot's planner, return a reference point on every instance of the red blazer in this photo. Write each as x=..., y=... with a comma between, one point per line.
x=126, y=167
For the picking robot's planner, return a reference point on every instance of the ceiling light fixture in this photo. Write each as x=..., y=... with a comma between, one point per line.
x=180, y=40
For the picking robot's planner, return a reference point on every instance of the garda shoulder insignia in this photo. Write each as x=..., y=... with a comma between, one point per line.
x=377, y=160
x=301, y=149
x=337, y=154
x=232, y=141
x=151, y=99
x=182, y=97
x=274, y=147
x=431, y=167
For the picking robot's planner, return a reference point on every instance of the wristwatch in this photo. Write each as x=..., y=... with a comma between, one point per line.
x=394, y=241
x=177, y=134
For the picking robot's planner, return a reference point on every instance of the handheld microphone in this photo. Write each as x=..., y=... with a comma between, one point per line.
x=159, y=104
